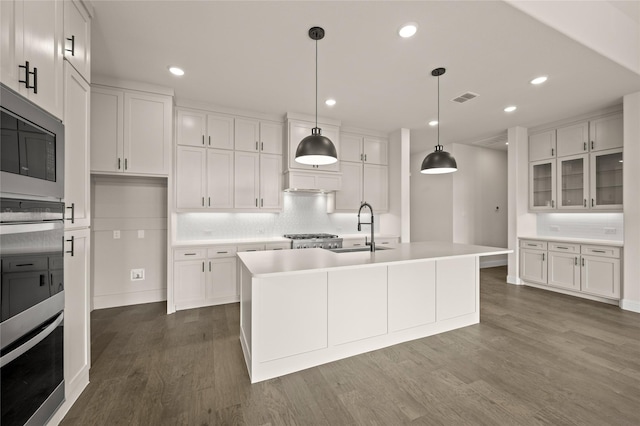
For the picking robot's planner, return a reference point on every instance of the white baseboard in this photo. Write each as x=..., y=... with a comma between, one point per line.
x=492, y=263
x=126, y=299
x=630, y=305
x=72, y=393
x=514, y=280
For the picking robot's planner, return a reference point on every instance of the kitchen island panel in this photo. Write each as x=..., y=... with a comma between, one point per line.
x=293, y=315
x=357, y=304
x=412, y=295
x=457, y=288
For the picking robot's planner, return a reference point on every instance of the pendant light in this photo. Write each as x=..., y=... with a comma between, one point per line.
x=438, y=161
x=316, y=149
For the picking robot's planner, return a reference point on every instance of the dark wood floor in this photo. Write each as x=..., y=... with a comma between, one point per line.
x=536, y=358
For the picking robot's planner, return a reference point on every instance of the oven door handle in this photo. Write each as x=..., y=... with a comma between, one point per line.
x=20, y=350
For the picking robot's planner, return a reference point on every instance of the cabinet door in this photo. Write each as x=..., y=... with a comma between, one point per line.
x=188, y=283
x=77, y=37
x=572, y=140
x=220, y=131
x=246, y=180
x=601, y=276
x=270, y=181
x=299, y=130
x=191, y=128
x=219, y=179
x=375, y=150
x=607, y=133
x=270, y=138
x=77, y=358
x=606, y=179
x=42, y=33
x=376, y=187
x=221, y=280
x=247, y=135
x=350, y=196
x=147, y=137
x=564, y=270
x=412, y=294
x=10, y=49
x=542, y=146
x=76, y=154
x=351, y=148
x=191, y=177
x=542, y=185
x=107, y=130
x=573, y=182
x=533, y=266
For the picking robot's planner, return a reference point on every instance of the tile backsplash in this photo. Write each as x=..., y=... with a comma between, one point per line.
x=600, y=226
x=301, y=213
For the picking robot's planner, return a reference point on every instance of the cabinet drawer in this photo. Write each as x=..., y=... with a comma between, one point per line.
x=277, y=246
x=533, y=244
x=603, y=251
x=221, y=251
x=189, y=254
x=564, y=247
x=386, y=241
x=250, y=247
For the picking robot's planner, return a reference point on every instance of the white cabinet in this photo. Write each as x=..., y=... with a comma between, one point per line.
x=457, y=282
x=606, y=179
x=204, y=130
x=583, y=269
x=77, y=338
x=572, y=140
x=204, y=178
x=257, y=181
x=533, y=261
x=221, y=285
x=542, y=185
x=219, y=179
x=188, y=283
x=258, y=136
x=542, y=146
x=76, y=121
x=365, y=173
x=130, y=132
x=412, y=295
x=77, y=37
x=31, y=51
x=298, y=130
x=573, y=182
x=606, y=132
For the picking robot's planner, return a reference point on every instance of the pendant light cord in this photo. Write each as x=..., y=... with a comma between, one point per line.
x=316, y=83
x=438, y=111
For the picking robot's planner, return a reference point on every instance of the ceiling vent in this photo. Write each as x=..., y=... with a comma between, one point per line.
x=465, y=97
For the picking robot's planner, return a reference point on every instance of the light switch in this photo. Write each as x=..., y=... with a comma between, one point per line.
x=116, y=235
x=140, y=233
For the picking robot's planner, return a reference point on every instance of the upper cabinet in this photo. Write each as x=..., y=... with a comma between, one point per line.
x=30, y=47
x=77, y=37
x=582, y=169
x=130, y=132
x=258, y=136
x=204, y=130
x=366, y=149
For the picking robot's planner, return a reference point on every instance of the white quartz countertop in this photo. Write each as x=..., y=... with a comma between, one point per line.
x=614, y=243
x=269, y=263
x=227, y=241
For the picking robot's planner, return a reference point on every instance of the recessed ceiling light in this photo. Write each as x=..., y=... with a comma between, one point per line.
x=539, y=80
x=408, y=30
x=176, y=71
x=433, y=123
x=330, y=102
x=510, y=108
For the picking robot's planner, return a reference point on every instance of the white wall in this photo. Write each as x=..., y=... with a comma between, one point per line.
x=128, y=205
x=396, y=222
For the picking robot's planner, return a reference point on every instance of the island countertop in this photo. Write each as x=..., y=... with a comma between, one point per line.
x=273, y=263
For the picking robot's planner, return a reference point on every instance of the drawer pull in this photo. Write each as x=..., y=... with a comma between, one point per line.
x=598, y=251
x=532, y=245
x=190, y=254
x=278, y=248
x=563, y=248
x=252, y=250
x=222, y=252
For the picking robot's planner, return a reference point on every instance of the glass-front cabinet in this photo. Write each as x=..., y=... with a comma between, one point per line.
x=573, y=182
x=542, y=184
x=606, y=179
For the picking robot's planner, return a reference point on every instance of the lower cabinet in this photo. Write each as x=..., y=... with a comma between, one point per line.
x=77, y=339
x=583, y=269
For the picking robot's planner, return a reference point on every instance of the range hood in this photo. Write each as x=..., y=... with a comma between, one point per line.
x=314, y=182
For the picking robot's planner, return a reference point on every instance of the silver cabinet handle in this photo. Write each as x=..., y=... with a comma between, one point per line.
x=553, y=203
x=256, y=202
x=209, y=201
x=583, y=261
x=222, y=252
x=261, y=202
x=592, y=202
x=209, y=266
x=365, y=157
x=202, y=139
x=125, y=164
x=361, y=157
x=190, y=254
x=73, y=212
x=209, y=140
x=202, y=266
x=532, y=245
x=598, y=251
x=563, y=248
x=22, y=349
x=202, y=201
x=256, y=145
x=261, y=146
x=585, y=202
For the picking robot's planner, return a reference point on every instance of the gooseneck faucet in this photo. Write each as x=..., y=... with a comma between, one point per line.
x=372, y=244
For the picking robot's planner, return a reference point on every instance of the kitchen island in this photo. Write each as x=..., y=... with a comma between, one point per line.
x=302, y=308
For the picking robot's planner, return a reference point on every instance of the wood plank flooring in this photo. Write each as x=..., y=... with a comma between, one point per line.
x=536, y=358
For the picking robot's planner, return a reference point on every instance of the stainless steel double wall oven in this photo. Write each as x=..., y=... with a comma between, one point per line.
x=32, y=262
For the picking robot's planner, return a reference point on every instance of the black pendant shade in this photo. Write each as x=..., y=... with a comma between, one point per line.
x=439, y=161
x=316, y=149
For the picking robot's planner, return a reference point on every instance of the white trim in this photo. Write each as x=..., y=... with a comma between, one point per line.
x=630, y=305
x=573, y=293
x=72, y=393
x=117, y=83
x=514, y=280
x=493, y=263
x=125, y=299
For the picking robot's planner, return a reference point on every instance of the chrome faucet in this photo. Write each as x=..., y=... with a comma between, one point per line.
x=372, y=244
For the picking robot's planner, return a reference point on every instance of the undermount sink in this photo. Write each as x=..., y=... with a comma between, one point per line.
x=355, y=249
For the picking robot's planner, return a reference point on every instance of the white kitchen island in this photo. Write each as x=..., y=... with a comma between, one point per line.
x=302, y=308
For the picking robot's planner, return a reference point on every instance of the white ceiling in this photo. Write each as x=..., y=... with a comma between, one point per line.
x=257, y=56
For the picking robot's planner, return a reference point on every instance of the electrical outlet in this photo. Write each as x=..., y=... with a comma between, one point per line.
x=610, y=231
x=140, y=233
x=554, y=228
x=116, y=235
x=137, y=274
